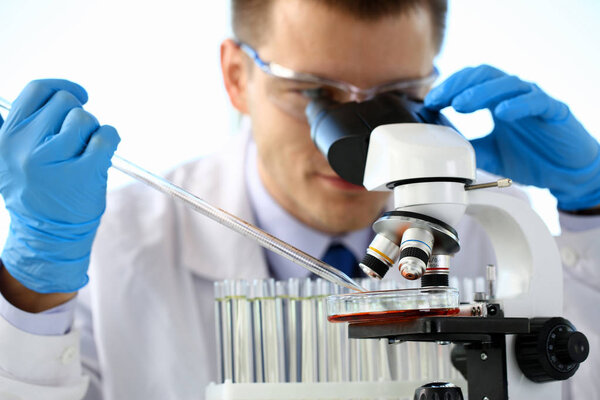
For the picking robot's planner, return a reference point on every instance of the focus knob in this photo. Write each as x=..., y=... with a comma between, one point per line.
x=438, y=391
x=552, y=350
x=571, y=347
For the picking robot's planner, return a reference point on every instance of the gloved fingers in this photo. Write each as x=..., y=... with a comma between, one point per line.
x=442, y=95
x=51, y=117
x=534, y=104
x=73, y=137
x=37, y=93
x=101, y=147
x=1, y=121
x=490, y=93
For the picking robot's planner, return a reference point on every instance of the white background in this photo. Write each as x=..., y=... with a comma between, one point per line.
x=152, y=68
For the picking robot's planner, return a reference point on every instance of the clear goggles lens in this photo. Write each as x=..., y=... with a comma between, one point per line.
x=292, y=96
x=291, y=91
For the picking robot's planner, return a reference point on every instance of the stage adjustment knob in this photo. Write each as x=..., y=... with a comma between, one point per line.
x=552, y=350
x=438, y=391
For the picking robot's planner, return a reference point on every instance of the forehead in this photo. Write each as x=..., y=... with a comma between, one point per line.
x=309, y=37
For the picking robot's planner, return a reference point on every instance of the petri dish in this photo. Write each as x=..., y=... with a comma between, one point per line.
x=389, y=306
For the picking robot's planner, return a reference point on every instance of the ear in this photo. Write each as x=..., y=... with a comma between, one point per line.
x=235, y=76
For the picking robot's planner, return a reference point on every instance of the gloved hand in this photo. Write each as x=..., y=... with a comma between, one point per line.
x=535, y=141
x=54, y=158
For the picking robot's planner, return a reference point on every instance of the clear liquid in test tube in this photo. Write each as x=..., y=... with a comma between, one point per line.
x=356, y=365
x=281, y=300
x=270, y=335
x=309, y=364
x=384, y=367
x=324, y=369
x=336, y=345
x=227, y=329
x=412, y=361
x=218, y=290
x=243, y=358
x=256, y=294
x=293, y=329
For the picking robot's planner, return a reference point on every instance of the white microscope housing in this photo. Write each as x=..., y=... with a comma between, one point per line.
x=521, y=348
x=429, y=168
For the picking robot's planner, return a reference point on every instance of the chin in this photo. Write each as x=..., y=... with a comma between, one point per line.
x=343, y=214
x=335, y=209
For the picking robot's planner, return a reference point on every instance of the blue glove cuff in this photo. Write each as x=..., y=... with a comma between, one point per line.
x=46, y=276
x=584, y=202
x=579, y=188
x=45, y=262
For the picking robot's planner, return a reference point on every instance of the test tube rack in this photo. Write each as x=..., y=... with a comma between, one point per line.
x=293, y=352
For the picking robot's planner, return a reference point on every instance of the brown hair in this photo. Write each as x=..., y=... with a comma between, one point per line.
x=251, y=17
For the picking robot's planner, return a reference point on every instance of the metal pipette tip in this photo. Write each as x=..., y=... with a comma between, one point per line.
x=266, y=240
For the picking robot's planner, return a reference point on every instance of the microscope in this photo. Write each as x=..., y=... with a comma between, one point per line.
x=508, y=343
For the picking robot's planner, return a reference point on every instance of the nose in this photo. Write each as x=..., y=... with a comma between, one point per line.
x=359, y=96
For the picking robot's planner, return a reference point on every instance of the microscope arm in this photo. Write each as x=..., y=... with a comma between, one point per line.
x=529, y=267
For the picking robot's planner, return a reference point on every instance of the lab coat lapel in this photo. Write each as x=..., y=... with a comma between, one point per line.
x=209, y=249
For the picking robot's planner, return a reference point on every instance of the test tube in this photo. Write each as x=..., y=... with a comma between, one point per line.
x=218, y=288
x=309, y=364
x=293, y=322
x=321, y=291
x=412, y=361
x=372, y=355
x=367, y=359
x=281, y=300
x=384, y=368
x=355, y=360
x=480, y=285
x=468, y=290
x=400, y=362
x=256, y=294
x=334, y=361
x=429, y=359
x=454, y=282
x=454, y=373
x=490, y=279
x=343, y=341
x=227, y=330
x=444, y=365
x=271, y=332
x=243, y=371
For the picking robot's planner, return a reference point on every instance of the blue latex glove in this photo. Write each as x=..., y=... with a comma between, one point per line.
x=535, y=141
x=54, y=158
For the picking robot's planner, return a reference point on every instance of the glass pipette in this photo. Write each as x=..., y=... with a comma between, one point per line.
x=263, y=238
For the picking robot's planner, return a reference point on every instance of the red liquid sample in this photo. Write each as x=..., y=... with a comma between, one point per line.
x=382, y=317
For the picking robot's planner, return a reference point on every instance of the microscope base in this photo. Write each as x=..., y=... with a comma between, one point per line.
x=483, y=362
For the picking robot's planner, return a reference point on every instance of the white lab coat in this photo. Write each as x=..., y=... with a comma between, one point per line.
x=145, y=321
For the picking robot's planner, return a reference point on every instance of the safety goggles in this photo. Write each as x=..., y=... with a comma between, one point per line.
x=291, y=91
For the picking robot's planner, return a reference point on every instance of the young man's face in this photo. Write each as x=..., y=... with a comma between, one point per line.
x=308, y=37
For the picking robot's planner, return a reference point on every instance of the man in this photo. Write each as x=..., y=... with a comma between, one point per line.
x=144, y=322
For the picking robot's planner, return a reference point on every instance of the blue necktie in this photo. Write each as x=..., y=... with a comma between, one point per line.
x=340, y=257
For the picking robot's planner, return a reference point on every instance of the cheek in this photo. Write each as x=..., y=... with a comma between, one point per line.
x=284, y=145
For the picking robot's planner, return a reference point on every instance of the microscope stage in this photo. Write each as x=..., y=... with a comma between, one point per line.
x=388, y=306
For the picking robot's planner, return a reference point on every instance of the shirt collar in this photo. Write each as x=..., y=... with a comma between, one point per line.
x=271, y=217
